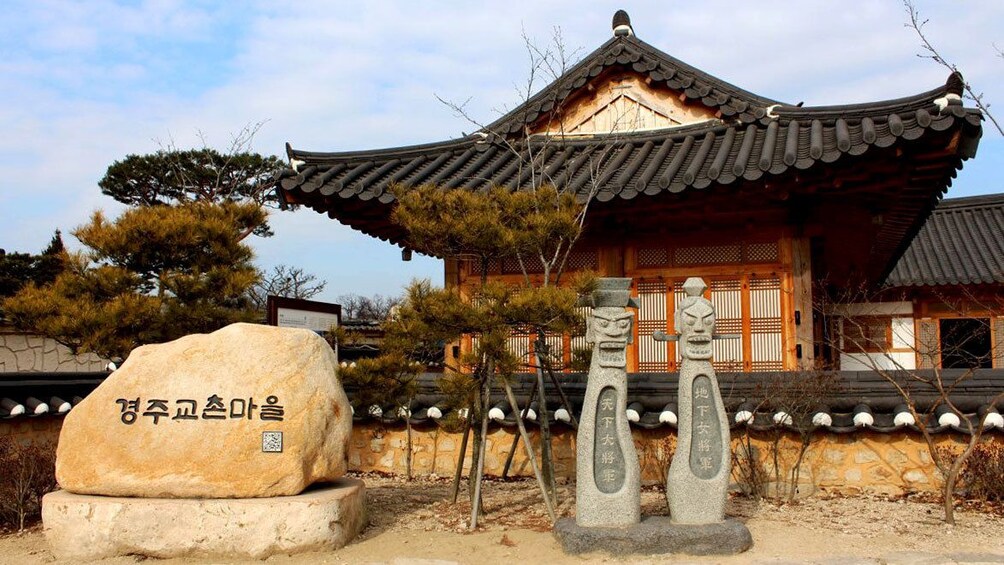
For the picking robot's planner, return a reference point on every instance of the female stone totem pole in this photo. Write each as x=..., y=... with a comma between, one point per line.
x=696, y=487
x=608, y=479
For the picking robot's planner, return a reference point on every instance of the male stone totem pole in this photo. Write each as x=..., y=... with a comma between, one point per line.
x=696, y=487
x=608, y=475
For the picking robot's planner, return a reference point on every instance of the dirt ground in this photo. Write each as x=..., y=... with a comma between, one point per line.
x=414, y=522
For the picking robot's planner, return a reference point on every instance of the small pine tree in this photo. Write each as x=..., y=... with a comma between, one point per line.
x=535, y=227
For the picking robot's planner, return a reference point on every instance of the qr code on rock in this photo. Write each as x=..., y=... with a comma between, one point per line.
x=271, y=442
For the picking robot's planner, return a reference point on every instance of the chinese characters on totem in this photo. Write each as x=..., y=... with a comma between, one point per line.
x=608, y=460
x=214, y=408
x=705, y=452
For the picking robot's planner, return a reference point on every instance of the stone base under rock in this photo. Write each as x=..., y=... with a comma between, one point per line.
x=84, y=527
x=655, y=534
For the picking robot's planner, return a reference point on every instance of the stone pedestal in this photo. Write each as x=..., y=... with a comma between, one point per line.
x=655, y=535
x=84, y=527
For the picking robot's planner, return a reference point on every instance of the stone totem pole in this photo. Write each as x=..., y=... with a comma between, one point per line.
x=607, y=495
x=608, y=479
x=698, y=480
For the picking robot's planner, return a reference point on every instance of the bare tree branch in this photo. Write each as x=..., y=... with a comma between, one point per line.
x=287, y=282
x=917, y=24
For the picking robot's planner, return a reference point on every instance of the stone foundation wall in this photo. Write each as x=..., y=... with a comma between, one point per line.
x=847, y=463
x=43, y=429
x=22, y=353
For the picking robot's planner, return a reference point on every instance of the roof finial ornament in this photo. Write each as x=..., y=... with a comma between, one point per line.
x=955, y=83
x=622, y=24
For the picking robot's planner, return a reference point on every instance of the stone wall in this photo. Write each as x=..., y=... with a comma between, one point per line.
x=866, y=462
x=22, y=353
x=40, y=430
x=870, y=462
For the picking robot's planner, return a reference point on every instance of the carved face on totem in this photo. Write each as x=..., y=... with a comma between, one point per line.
x=695, y=322
x=609, y=329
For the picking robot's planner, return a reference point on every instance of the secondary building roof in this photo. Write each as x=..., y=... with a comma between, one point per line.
x=962, y=243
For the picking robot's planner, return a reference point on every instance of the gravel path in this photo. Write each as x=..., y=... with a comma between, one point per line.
x=414, y=523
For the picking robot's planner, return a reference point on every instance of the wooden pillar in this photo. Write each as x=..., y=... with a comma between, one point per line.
x=451, y=281
x=611, y=261
x=801, y=274
x=612, y=264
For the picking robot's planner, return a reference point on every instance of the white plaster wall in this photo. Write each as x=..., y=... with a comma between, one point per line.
x=903, y=356
x=903, y=336
x=893, y=360
x=899, y=308
x=22, y=353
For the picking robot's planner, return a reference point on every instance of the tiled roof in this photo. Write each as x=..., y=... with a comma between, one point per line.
x=914, y=145
x=33, y=395
x=648, y=162
x=961, y=243
x=931, y=133
x=862, y=401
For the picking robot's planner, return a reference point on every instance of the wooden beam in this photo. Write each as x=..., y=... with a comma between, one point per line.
x=801, y=271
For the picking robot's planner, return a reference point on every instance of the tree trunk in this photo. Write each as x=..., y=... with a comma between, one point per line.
x=775, y=447
x=952, y=477
x=564, y=399
x=949, y=493
x=515, y=439
x=796, y=470
x=407, y=459
x=463, y=457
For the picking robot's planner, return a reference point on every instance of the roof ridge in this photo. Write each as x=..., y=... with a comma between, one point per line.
x=631, y=52
x=316, y=157
x=977, y=201
x=703, y=74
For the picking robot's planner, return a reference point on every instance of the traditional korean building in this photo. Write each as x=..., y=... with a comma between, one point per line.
x=688, y=175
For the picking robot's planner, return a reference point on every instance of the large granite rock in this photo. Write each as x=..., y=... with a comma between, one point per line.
x=247, y=411
x=84, y=528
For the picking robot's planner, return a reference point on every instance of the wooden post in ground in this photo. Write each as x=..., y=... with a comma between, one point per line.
x=529, y=453
x=460, y=460
x=485, y=402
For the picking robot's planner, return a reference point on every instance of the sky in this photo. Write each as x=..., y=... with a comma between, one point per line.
x=85, y=83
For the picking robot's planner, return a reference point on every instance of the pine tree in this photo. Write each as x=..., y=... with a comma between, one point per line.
x=19, y=269
x=196, y=175
x=153, y=275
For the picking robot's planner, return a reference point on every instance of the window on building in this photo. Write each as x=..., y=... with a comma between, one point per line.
x=748, y=306
x=869, y=334
x=965, y=343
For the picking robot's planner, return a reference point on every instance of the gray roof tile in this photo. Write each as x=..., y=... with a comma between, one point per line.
x=961, y=243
